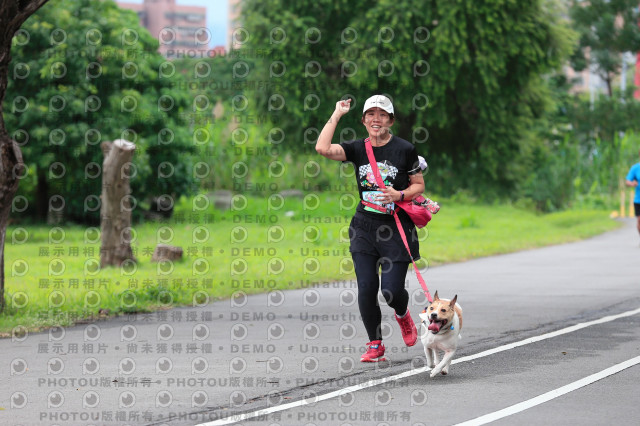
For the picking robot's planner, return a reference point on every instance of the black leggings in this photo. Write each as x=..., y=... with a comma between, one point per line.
x=392, y=284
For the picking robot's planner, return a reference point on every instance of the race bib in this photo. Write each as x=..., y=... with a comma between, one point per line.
x=370, y=196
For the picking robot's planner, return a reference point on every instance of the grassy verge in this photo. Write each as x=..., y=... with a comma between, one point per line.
x=259, y=245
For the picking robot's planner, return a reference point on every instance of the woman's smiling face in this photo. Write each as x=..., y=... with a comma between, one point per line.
x=377, y=122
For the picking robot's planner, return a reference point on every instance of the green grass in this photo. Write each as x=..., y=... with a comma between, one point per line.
x=465, y=232
x=259, y=246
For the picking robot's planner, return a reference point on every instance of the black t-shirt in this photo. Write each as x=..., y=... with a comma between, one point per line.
x=397, y=160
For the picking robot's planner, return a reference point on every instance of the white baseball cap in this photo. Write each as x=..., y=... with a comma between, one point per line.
x=379, y=101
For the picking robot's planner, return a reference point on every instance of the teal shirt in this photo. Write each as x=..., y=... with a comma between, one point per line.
x=634, y=174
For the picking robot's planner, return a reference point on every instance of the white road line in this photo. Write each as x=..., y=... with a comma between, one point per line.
x=371, y=383
x=545, y=397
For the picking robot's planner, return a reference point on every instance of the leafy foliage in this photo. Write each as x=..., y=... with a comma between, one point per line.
x=607, y=29
x=84, y=72
x=465, y=76
x=586, y=149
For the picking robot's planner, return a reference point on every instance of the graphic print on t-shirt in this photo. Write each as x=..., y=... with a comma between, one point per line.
x=368, y=181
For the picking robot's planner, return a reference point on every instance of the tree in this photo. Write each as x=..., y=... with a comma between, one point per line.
x=87, y=72
x=466, y=77
x=608, y=29
x=12, y=16
x=115, y=227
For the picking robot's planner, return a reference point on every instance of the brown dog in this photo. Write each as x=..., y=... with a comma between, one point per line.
x=442, y=321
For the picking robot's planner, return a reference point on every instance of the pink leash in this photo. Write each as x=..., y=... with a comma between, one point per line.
x=376, y=173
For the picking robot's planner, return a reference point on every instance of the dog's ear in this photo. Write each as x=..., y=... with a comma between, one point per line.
x=453, y=301
x=435, y=296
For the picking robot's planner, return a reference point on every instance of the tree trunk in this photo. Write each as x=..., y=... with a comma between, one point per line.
x=12, y=16
x=10, y=168
x=115, y=212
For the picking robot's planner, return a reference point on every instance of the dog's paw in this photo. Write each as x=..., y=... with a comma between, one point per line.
x=434, y=372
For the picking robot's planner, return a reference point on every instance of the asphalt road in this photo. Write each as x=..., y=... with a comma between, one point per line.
x=296, y=354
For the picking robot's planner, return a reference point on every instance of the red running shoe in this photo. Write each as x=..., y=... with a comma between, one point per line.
x=375, y=353
x=408, y=328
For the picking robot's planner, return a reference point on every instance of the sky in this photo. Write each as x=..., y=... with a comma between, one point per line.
x=217, y=15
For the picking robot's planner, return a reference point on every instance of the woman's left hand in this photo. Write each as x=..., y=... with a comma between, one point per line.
x=389, y=195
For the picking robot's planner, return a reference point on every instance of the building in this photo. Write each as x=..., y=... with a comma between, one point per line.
x=181, y=30
x=234, y=24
